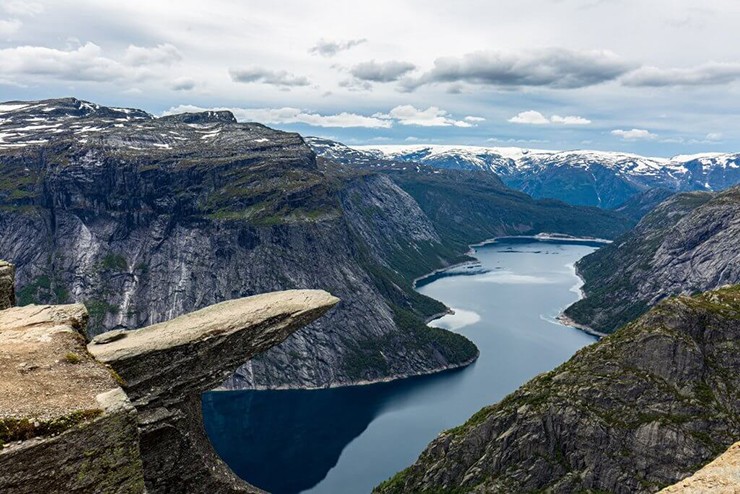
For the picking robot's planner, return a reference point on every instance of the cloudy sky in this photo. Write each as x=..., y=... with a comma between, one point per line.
x=658, y=77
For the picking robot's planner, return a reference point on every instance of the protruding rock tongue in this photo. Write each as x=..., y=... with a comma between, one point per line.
x=167, y=366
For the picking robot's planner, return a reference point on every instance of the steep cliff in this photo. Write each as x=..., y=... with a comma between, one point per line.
x=637, y=411
x=143, y=219
x=689, y=243
x=7, y=285
x=122, y=413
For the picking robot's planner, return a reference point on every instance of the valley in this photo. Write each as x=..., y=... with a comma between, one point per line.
x=507, y=305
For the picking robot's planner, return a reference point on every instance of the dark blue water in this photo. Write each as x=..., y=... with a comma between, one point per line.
x=347, y=440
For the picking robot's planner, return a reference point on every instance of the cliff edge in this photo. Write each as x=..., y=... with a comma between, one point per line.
x=122, y=413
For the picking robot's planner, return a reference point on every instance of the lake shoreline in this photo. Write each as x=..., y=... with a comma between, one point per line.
x=506, y=305
x=562, y=319
x=567, y=321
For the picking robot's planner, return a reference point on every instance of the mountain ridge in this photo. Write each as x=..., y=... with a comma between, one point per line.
x=614, y=418
x=593, y=178
x=146, y=218
x=687, y=244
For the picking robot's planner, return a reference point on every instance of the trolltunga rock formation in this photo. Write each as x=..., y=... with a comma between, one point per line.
x=122, y=414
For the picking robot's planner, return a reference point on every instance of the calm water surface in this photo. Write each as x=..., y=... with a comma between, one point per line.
x=347, y=440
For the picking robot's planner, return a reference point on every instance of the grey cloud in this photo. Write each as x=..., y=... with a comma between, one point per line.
x=327, y=48
x=183, y=84
x=381, y=71
x=163, y=54
x=86, y=62
x=708, y=74
x=355, y=85
x=554, y=67
x=266, y=76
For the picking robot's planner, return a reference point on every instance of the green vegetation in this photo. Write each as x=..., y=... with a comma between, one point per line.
x=114, y=262
x=22, y=429
x=17, y=185
x=97, y=310
x=469, y=207
x=72, y=358
x=366, y=359
x=611, y=387
x=43, y=289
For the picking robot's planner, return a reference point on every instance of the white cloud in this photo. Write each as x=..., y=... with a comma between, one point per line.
x=289, y=115
x=388, y=71
x=9, y=27
x=550, y=67
x=569, y=120
x=164, y=54
x=713, y=136
x=431, y=117
x=84, y=62
x=21, y=7
x=473, y=119
x=403, y=115
x=511, y=140
x=532, y=117
x=634, y=134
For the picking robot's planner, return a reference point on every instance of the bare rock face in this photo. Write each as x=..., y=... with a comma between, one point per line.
x=636, y=412
x=721, y=476
x=122, y=414
x=65, y=424
x=7, y=285
x=166, y=368
x=687, y=244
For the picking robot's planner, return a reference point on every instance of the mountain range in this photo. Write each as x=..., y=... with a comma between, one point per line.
x=145, y=218
x=592, y=178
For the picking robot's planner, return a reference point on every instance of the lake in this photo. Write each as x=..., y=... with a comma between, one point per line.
x=347, y=440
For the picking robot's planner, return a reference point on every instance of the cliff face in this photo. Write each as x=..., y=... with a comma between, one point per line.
x=65, y=424
x=122, y=413
x=637, y=411
x=143, y=219
x=689, y=243
x=7, y=285
x=721, y=476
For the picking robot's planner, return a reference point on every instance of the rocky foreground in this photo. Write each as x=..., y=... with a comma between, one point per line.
x=636, y=412
x=721, y=476
x=122, y=414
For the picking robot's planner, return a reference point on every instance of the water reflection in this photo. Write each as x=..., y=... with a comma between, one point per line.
x=347, y=440
x=299, y=434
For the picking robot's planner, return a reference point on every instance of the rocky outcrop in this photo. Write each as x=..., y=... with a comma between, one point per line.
x=721, y=476
x=122, y=414
x=166, y=368
x=687, y=244
x=65, y=424
x=7, y=285
x=635, y=412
